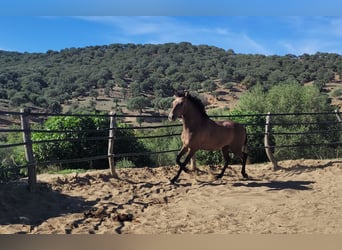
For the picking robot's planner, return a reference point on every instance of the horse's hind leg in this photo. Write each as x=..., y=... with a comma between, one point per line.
x=225, y=154
x=243, y=169
x=193, y=163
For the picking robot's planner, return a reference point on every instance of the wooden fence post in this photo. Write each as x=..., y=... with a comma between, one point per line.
x=112, y=126
x=267, y=142
x=338, y=115
x=31, y=165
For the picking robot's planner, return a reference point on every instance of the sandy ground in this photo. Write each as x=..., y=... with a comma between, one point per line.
x=304, y=196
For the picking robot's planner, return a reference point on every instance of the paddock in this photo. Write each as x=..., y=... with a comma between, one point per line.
x=303, y=196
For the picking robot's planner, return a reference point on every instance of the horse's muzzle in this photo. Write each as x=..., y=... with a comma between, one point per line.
x=172, y=117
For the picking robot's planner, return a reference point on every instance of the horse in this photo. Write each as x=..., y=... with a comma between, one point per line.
x=202, y=133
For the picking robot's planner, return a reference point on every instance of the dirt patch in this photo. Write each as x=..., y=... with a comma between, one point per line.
x=304, y=196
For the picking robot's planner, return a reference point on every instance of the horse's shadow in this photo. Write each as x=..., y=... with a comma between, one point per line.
x=302, y=167
x=20, y=206
x=255, y=183
x=278, y=185
x=292, y=185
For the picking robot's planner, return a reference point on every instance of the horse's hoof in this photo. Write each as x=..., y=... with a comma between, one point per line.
x=187, y=170
x=219, y=176
x=245, y=176
x=173, y=180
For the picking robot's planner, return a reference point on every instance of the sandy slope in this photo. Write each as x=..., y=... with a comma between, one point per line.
x=305, y=196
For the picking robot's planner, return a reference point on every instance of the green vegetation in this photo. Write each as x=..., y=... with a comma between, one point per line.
x=337, y=93
x=162, y=144
x=79, y=141
x=11, y=157
x=50, y=79
x=77, y=128
x=124, y=163
x=53, y=170
x=295, y=98
x=144, y=76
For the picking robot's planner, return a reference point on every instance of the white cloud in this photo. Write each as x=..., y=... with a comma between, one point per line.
x=5, y=49
x=310, y=46
x=311, y=35
x=134, y=25
x=158, y=30
x=300, y=47
x=336, y=26
x=221, y=31
x=254, y=46
x=298, y=35
x=320, y=27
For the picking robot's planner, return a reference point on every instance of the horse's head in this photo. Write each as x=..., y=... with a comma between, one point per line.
x=178, y=105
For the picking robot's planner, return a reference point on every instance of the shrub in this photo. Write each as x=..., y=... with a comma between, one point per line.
x=295, y=98
x=82, y=129
x=162, y=144
x=337, y=93
x=11, y=157
x=124, y=163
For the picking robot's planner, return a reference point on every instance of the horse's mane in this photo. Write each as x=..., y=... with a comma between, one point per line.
x=196, y=101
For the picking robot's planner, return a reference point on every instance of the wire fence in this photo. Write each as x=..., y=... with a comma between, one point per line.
x=325, y=126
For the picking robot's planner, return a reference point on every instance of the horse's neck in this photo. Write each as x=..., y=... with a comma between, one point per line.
x=193, y=120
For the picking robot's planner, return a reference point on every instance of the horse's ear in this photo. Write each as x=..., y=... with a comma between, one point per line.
x=179, y=93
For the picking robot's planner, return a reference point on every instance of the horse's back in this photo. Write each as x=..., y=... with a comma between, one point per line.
x=229, y=124
x=235, y=134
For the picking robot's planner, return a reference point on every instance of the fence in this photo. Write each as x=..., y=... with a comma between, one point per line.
x=334, y=130
x=27, y=117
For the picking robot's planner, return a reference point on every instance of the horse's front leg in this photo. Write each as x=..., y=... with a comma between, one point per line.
x=182, y=152
x=180, y=164
x=184, y=163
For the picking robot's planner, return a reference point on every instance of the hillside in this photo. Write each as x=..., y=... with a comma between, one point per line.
x=131, y=77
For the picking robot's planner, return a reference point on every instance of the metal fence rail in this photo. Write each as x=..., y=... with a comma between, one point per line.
x=26, y=131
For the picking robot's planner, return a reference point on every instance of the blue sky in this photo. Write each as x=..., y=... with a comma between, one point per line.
x=246, y=26
x=256, y=35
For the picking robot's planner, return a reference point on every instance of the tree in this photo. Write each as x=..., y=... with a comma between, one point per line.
x=138, y=103
x=249, y=81
x=19, y=98
x=94, y=94
x=253, y=100
x=144, y=69
x=162, y=103
x=294, y=98
x=55, y=107
x=209, y=86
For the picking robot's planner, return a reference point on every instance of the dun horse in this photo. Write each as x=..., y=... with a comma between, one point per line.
x=200, y=132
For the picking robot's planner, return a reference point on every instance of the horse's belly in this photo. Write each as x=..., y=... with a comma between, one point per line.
x=214, y=143
x=210, y=147
x=212, y=138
